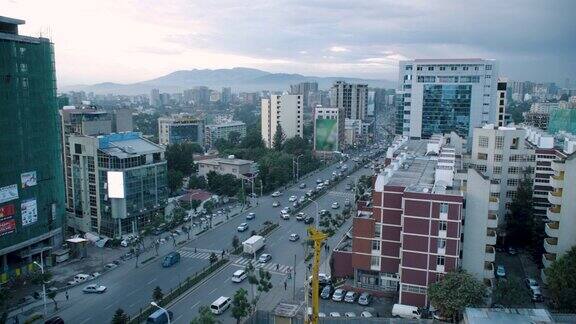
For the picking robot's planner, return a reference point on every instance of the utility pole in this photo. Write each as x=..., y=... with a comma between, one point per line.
x=294, y=279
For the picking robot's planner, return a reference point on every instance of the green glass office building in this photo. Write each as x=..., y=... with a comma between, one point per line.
x=31, y=181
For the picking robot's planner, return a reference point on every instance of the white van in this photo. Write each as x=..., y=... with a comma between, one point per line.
x=239, y=276
x=220, y=305
x=405, y=311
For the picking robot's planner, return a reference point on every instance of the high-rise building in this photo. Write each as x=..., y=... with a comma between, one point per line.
x=445, y=95
x=353, y=98
x=501, y=102
x=282, y=111
x=545, y=150
x=31, y=180
x=119, y=183
x=155, y=98
x=305, y=89
x=201, y=95
x=180, y=128
x=222, y=131
x=226, y=96
x=329, y=129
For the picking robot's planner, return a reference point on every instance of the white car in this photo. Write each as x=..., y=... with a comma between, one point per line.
x=94, y=289
x=292, y=198
x=335, y=205
x=335, y=314
x=284, y=215
x=243, y=227
x=276, y=204
x=366, y=314
x=276, y=194
x=264, y=258
x=294, y=237
x=350, y=314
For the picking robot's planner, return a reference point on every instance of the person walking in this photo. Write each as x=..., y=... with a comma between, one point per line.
x=285, y=285
x=67, y=297
x=277, y=266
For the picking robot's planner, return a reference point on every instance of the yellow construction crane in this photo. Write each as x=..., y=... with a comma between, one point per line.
x=317, y=237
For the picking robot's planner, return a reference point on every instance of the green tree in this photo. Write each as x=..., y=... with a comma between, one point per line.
x=178, y=215
x=454, y=292
x=120, y=317
x=223, y=184
x=241, y=196
x=195, y=204
x=511, y=293
x=296, y=146
x=561, y=280
x=234, y=138
x=253, y=138
x=278, y=139
x=197, y=182
x=180, y=157
x=205, y=316
x=52, y=295
x=209, y=206
x=240, y=305
x=157, y=294
x=175, y=178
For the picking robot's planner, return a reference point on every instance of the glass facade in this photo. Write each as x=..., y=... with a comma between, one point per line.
x=186, y=133
x=446, y=108
x=562, y=120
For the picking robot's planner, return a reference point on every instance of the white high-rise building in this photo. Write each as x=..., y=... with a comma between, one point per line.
x=353, y=98
x=444, y=95
x=285, y=111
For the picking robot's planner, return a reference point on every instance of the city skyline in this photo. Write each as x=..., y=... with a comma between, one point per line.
x=530, y=39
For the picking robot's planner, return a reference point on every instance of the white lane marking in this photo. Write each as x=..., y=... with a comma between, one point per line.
x=179, y=317
x=109, y=306
x=86, y=320
x=213, y=290
x=194, y=305
x=227, y=280
x=151, y=281
x=132, y=292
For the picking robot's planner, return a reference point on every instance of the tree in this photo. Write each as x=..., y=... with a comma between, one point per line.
x=52, y=295
x=209, y=206
x=195, y=203
x=253, y=138
x=234, y=138
x=180, y=157
x=561, y=280
x=235, y=242
x=454, y=292
x=205, y=316
x=178, y=214
x=240, y=305
x=511, y=294
x=241, y=196
x=175, y=178
x=197, y=182
x=296, y=146
x=157, y=294
x=278, y=139
x=120, y=317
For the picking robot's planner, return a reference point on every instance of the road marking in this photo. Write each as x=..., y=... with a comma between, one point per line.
x=132, y=292
x=194, y=305
x=179, y=317
x=151, y=281
x=109, y=306
x=86, y=320
x=227, y=280
x=213, y=290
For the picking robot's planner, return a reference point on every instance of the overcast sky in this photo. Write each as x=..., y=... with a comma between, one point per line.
x=131, y=40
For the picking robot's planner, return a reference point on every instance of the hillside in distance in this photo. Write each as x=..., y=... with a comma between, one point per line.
x=239, y=79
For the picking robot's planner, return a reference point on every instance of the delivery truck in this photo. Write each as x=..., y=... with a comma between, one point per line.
x=254, y=244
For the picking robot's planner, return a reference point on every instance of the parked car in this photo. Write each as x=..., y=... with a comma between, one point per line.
x=364, y=299
x=110, y=266
x=327, y=292
x=264, y=258
x=350, y=297
x=366, y=314
x=406, y=311
x=350, y=314
x=294, y=237
x=54, y=320
x=292, y=198
x=300, y=216
x=335, y=314
x=250, y=216
x=531, y=283
x=536, y=295
x=302, y=186
x=319, y=181
x=301, y=200
x=512, y=251
x=308, y=220
x=276, y=194
x=338, y=295
x=243, y=227
x=94, y=289
x=500, y=271
x=284, y=215
x=310, y=193
x=276, y=204
x=335, y=205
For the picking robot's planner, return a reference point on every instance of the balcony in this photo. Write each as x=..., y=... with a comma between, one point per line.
x=490, y=254
x=558, y=165
x=551, y=229
x=553, y=213
x=551, y=245
x=557, y=181
x=555, y=197
x=494, y=203
x=548, y=258
x=491, y=237
x=492, y=220
x=488, y=270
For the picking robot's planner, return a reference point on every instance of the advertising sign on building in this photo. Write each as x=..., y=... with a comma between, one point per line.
x=7, y=227
x=326, y=135
x=8, y=193
x=29, y=211
x=6, y=211
x=115, y=184
x=28, y=179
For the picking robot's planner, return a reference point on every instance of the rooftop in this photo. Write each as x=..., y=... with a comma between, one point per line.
x=507, y=315
x=218, y=161
x=125, y=145
x=228, y=124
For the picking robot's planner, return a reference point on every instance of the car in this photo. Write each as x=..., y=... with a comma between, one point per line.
x=302, y=186
x=350, y=297
x=250, y=216
x=364, y=299
x=294, y=237
x=366, y=314
x=301, y=200
x=310, y=193
x=320, y=314
x=318, y=181
x=54, y=320
x=243, y=227
x=335, y=314
x=335, y=205
x=286, y=209
x=500, y=271
x=264, y=258
x=536, y=295
x=319, y=187
x=350, y=314
x=326, y=292
x=295, y=204
x=322, y=212
x=300, y=216
x=276, y=194
x=276, y=204
x=338, y=295
x=292, y=198
x=531, y=283
x=512, y=251
x=308, y=220
x=94, y=289
x=110, y=266
x=347, y=202
x=326, y=183
x=284, y=216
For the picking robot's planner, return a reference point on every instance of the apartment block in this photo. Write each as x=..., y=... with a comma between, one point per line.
x=353, y=98
x=329, y=129
x=284, y=111
x=439, y=96
x=222, y=131
x=546, y=152
x=501, y=102
x=181, y=128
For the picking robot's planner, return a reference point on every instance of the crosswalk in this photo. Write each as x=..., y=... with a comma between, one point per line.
x=270, y=266
x=187, y=252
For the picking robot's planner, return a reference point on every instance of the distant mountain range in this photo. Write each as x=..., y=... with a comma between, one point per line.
x=239, y=79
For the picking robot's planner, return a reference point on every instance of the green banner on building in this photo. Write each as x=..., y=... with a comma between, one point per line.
x=326, y=135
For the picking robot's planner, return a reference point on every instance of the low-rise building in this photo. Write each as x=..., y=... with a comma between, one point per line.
x=222, y=131
x=237, y=167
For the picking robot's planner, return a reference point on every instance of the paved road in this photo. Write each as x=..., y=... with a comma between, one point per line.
x=282, y=250
x=131, y=289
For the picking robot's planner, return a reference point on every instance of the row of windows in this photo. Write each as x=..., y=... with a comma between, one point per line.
x=413, y=289
x=451, y=67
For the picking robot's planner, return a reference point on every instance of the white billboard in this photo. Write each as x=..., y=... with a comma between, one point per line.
x=29, y=211
x=115, y=184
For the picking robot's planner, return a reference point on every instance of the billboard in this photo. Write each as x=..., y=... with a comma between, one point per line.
x=28, y=179
x=29, y=211
x=8, y=193
x=326, y=135
x=7, y=227
x=115, y=184
x=7, y=211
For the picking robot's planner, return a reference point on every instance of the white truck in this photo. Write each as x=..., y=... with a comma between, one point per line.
x=253, y=244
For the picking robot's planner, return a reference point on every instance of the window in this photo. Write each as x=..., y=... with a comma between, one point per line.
x=442, y=68
x=514, y=170
x=511, y=194
x=482, y=156
x=430, y=68
x=419, y=68
x=413, y=289
x=376, y=245
x=375, y=261
x=499, y=142
x=453, y=68
x=440, y=260
x=488, y=67
x=483, y=141
x=441, y=243
x=495, y=194
x=514, y=144
x=442, y=225
x=488, y=76
x=497, y=157
x=481, y=168
x=513, y=182
x=444, y=208
x=377, y=230
x=497, y=170
x=465, y=68
x=408, y=68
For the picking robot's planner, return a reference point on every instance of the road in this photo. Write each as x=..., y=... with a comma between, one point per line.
x=284, y=253
x=131, y=288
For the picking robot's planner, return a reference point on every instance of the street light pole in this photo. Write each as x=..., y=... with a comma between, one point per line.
x=298, y=167
x=163, y=309
x=41, y=266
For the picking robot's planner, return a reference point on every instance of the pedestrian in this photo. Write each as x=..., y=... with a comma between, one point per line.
x=277, y=266
x=67, y=297
x=194, y=250
x=285, y=285
x=222, y=253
